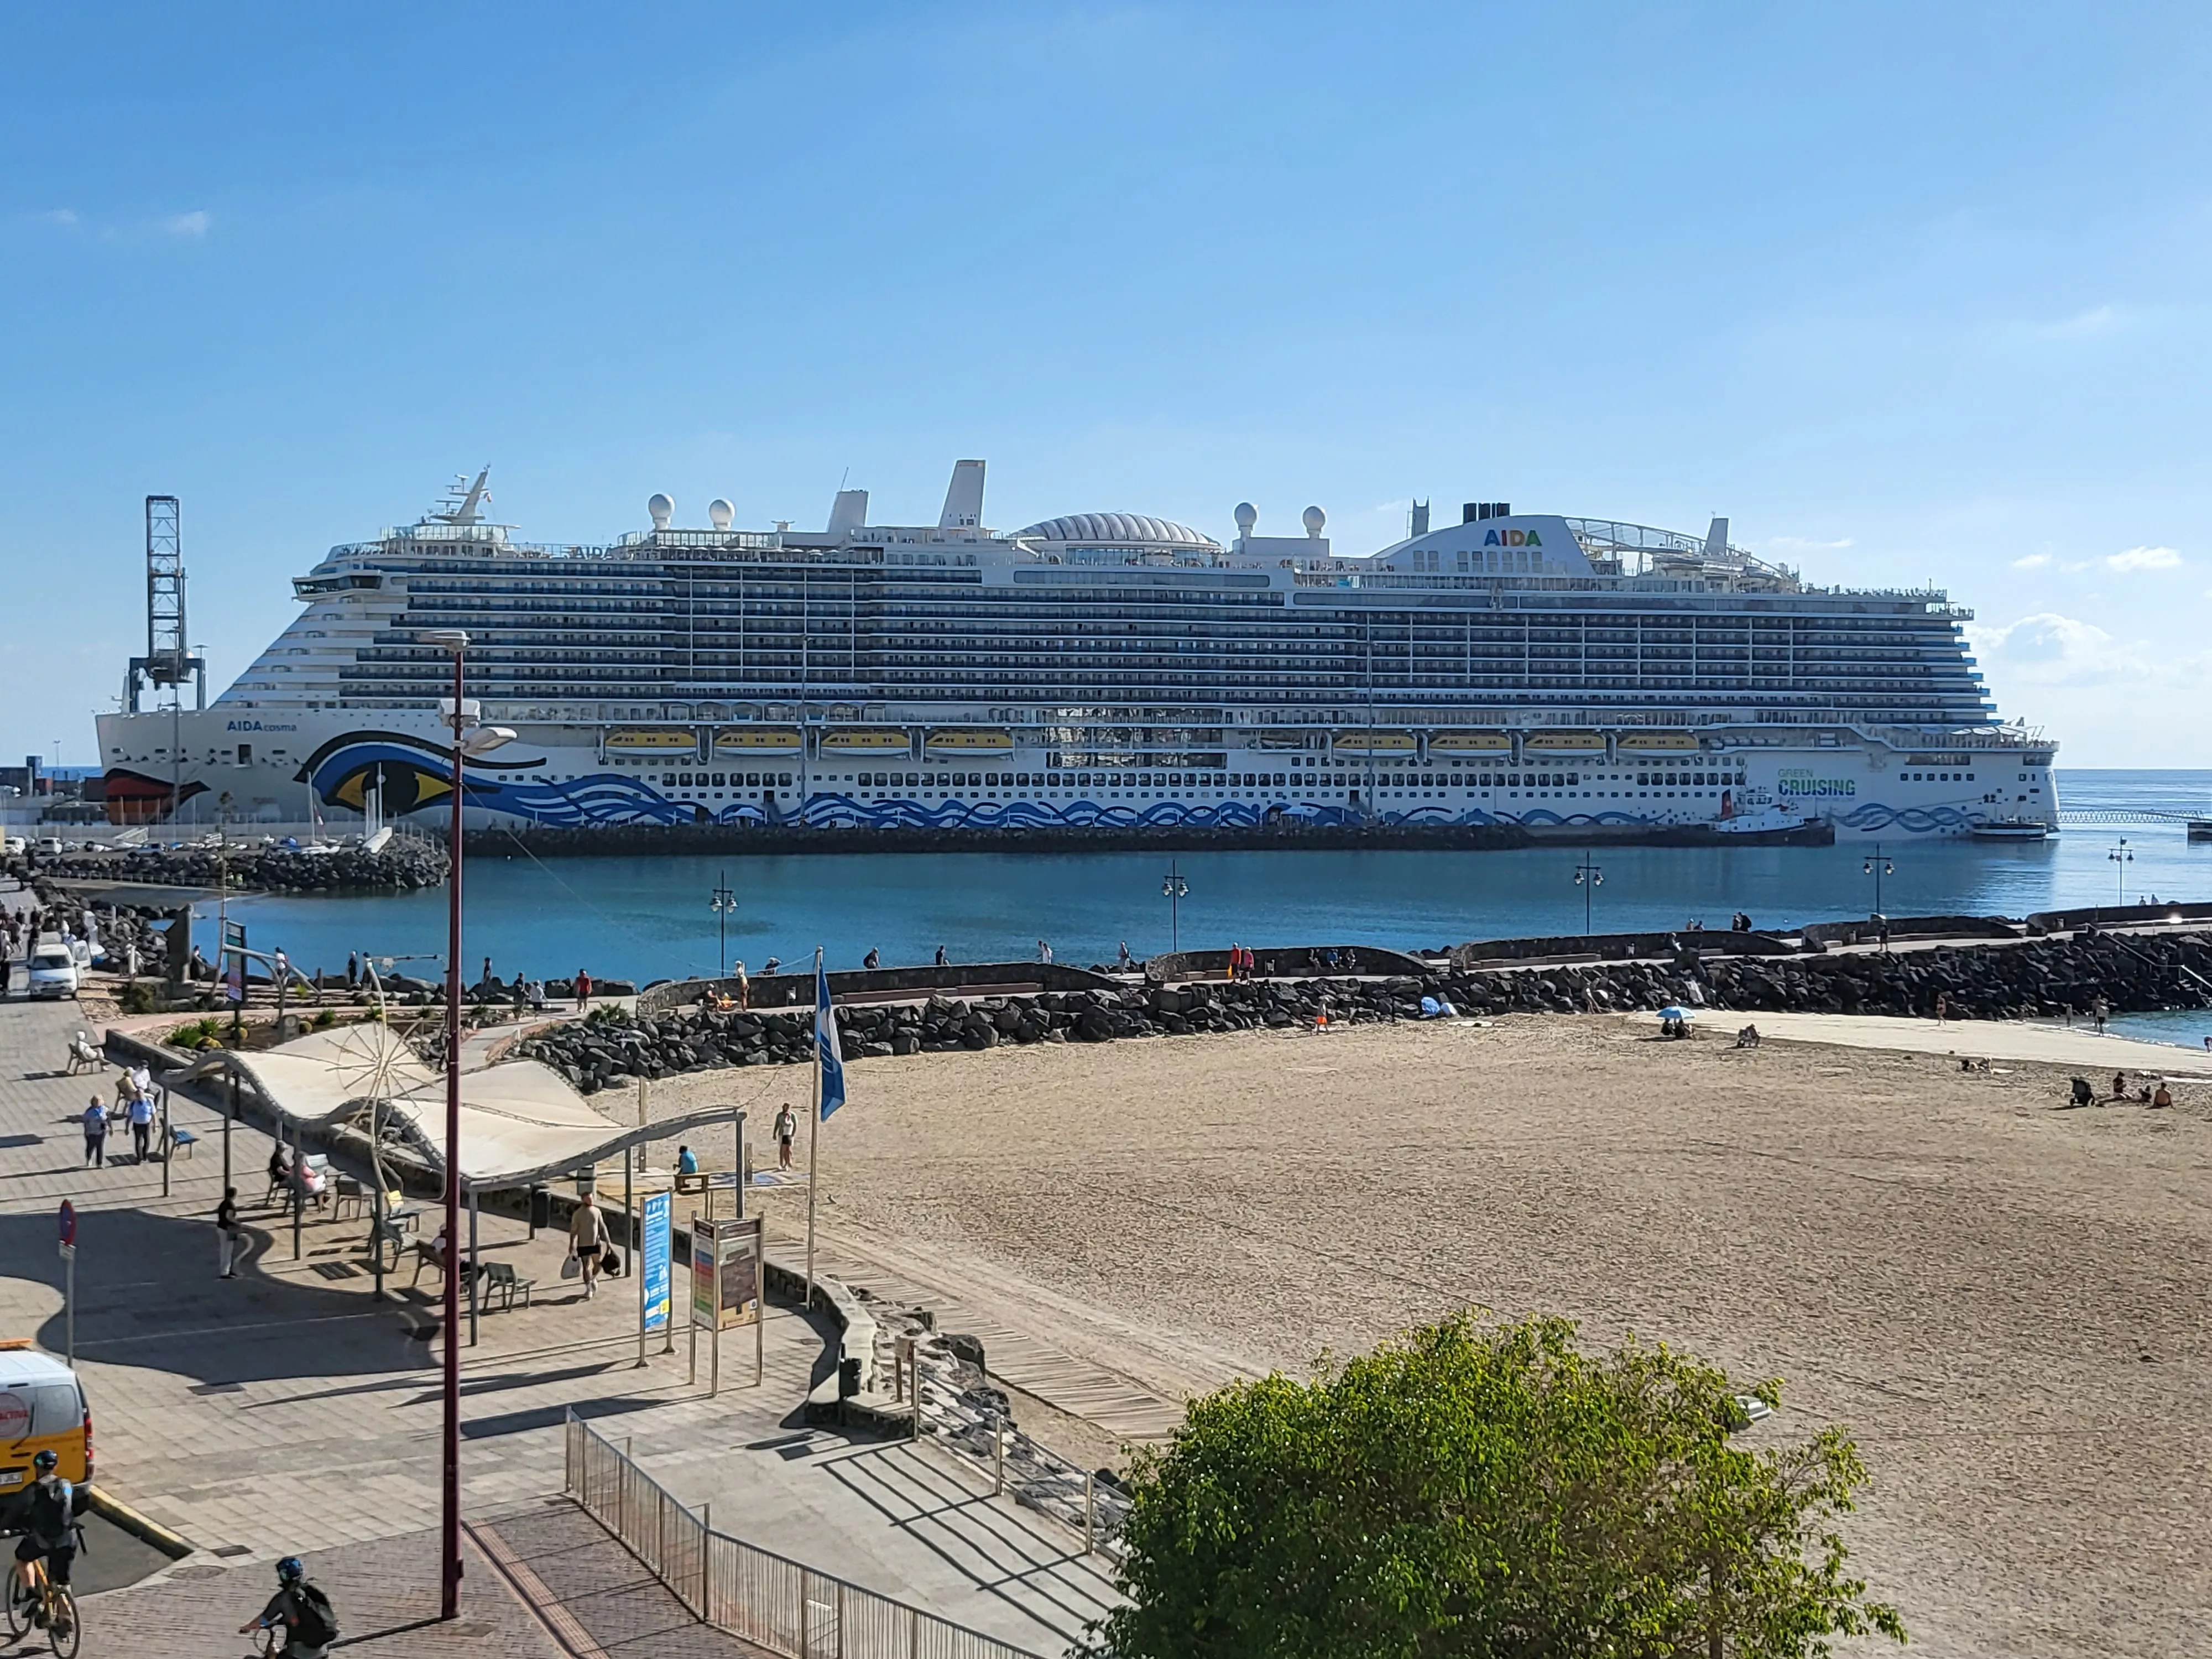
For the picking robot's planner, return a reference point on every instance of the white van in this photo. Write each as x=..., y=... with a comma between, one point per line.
x=53, y=971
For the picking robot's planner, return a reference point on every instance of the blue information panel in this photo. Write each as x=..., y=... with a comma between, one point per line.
x=655, y=1284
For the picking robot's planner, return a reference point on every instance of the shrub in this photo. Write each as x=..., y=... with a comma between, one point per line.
x=1474, y=1490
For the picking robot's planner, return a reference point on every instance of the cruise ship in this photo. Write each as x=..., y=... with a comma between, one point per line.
x=1101, y=669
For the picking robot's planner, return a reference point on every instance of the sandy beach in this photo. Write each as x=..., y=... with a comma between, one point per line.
x=2004, y=1299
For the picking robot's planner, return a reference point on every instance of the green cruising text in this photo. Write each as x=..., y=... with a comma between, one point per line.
x=1103, y=669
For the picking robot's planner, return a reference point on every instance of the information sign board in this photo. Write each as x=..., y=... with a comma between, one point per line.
x=658, y=1302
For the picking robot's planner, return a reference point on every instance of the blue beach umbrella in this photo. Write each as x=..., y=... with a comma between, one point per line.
x=1670, y=1011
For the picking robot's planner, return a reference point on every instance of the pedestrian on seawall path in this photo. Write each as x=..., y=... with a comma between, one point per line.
x=583, y=989
x=141, y=1122
x=228, y=1239
x=95, y=1133
x=588, y=1239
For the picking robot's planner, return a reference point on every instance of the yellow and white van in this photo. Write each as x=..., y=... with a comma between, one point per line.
x=42, y=1408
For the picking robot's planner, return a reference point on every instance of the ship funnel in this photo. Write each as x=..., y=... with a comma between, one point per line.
x=848, y=512
x=1420, y=519
x=1717, y=540
x=963, y=498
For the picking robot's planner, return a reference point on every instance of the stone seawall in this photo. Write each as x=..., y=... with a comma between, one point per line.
x=2037, y=979
x=400, y=866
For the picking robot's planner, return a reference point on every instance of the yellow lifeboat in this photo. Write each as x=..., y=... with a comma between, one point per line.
x=666, y=741
x=1564, y=741
x=1657, y=743
x=981, y=741
x=866, y=743
x=1470, y=743
x=743, y=740
x=1374, y=743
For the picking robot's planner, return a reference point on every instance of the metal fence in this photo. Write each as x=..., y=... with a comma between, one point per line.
x=1041, y=1478
x=754, y=1594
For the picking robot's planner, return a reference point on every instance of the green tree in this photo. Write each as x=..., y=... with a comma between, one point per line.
x=1484, y=1489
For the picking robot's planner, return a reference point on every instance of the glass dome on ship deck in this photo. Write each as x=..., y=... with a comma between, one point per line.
x=1130, y=530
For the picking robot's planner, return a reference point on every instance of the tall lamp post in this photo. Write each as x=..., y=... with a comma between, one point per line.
x=1590, y=877
x=1174, y=889
x=2122, y=857
x=723, y=902
x=1878, y=866
x=470, y=737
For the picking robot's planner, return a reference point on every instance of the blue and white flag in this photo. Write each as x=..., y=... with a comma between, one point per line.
x=827, y=1059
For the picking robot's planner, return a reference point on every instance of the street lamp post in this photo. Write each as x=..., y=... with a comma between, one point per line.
x=481, y=740
x=2121, y=856
x=1590, y=877
x=1174, y=889
x=1878, y=866
x=723, y=902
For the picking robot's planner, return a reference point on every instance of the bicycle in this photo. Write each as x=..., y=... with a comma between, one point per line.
x=42, y=1596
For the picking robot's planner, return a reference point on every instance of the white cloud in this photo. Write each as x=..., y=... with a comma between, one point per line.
x=2031, y=562
x=2095, y=323
x=2144, y=558
x=187, y=224
x=62, y=218
x=2048, y=649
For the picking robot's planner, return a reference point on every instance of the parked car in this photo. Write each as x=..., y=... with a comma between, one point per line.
x=51, y=846
x=12, y=847
x=53, y=972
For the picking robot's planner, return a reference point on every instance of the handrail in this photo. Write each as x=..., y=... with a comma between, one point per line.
x=755, y=1595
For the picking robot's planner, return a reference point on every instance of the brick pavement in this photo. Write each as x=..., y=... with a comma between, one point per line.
x=287, y=1411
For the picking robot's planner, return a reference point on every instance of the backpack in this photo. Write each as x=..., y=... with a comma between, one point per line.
x=316, y=1625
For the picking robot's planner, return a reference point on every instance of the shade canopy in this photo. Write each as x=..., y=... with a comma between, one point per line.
x=521, y=1122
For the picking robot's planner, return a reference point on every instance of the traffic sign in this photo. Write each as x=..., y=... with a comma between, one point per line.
x=68, y=1222
x=68, y=1251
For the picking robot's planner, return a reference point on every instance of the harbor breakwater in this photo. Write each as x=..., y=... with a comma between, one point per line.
x=401, y=864
x=2042, y=978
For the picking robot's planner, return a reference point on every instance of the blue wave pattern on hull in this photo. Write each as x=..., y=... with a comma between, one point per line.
x=612, y=798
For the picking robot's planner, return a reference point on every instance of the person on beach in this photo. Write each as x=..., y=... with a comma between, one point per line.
x=2098, y=1010
x=744, y=985
x=786, y=1126
x=2119, y=1085
x=588, y=1241
x=2161, y=1096
x=95, y=1133
x=583, y=989
x=1942, y=1007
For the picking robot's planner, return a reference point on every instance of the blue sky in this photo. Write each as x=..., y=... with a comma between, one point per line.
x=1911, y=293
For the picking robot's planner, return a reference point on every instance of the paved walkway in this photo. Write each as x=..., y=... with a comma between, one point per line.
x=288, y=1412
x=1980, y=1039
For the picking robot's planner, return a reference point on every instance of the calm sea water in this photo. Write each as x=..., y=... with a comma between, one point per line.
x=645, y=918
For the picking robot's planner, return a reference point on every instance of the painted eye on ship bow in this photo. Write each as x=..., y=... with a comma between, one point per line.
x=400, y=786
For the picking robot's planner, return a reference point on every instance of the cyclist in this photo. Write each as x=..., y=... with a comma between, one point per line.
x=301, y=1609
x=46, y=1510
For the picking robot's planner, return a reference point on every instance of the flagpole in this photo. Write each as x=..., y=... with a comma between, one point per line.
x=813, y=1139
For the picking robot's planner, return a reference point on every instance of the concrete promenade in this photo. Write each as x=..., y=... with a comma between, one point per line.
x=287, y=1411
x=1975, y=1039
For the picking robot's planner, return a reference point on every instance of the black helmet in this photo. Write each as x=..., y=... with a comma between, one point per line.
x=46, y=1462
x=291, y=1569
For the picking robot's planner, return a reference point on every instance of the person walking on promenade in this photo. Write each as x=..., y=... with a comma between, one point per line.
x=95, y=1133
x=1236, y=955
x=941, y=956
x=786, y=1126
x=229, y=1241
x=353, y=968
x=587, y=1241
x=1125, y=962
x=583, y=989
x=140, y=1112
x=1044, y=951
x=744, y=987
x=873, y=960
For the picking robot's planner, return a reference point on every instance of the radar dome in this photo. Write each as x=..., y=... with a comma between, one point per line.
x=1315, y=518
x=1246, y=516
x=719, y=513
x=660, y=508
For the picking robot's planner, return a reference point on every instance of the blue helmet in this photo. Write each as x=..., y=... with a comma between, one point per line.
x=46, y=1462
x=291, y=1569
